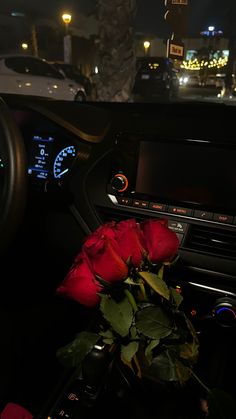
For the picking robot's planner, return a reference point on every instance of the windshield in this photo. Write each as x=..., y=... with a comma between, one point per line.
x=119, y=50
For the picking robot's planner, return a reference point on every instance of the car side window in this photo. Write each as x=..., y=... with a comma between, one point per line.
x=17, y=64
x=34, y=67
x=43, y=69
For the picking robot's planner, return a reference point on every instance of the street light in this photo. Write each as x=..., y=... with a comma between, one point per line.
x=211, y=28
x=24, y=46
x=66, y=17
x=146, y=45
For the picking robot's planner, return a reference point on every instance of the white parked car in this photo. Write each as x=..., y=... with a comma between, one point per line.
x=29, y=75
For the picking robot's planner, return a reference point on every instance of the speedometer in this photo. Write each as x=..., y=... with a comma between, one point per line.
x=63, y=161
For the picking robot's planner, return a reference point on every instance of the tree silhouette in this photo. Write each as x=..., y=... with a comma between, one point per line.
x=116, y=54
x=230, y=33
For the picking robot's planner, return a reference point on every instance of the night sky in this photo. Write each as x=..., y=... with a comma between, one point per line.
x=150, y=16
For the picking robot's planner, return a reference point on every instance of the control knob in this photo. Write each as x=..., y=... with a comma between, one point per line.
x=119, y=182
x=225, y=311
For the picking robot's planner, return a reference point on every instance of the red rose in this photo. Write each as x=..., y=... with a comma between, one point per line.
x=106, y=230
x=15, y=411
x=104, y=255
x=80, y=284
x=161, y=242
x=131, y=242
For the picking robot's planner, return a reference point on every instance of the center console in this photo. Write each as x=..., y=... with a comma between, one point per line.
x=191, y=182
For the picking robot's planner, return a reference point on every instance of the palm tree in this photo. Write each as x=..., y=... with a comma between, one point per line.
x=231, y=34
x=116, y=54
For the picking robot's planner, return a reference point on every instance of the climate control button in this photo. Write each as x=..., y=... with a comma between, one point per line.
x=225, y=311
x=119, y=182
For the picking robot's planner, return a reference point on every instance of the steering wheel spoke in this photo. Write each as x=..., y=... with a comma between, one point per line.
x=13, y=176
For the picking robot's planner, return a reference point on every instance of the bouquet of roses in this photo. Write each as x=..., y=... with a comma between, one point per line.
x=121, y=271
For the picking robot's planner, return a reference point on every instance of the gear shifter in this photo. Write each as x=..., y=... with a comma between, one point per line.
x=94, y=372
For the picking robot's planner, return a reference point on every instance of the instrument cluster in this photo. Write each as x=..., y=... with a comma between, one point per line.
x=51, y=159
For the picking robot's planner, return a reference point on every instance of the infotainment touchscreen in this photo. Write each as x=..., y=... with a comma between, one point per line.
x=191, y=172
x=186, y=172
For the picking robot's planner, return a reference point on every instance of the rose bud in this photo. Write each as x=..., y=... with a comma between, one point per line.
x=80, y=283
x=131, y=242
x=104, y=255
x=161, y=242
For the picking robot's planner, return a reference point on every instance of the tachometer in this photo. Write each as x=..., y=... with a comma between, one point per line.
x=63, y=161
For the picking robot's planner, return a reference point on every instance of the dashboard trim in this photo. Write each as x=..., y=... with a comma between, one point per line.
x=91, y=138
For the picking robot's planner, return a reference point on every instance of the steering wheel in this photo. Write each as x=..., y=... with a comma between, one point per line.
x=13, y=177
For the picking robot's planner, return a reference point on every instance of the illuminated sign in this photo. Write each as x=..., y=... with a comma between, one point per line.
x=175, y=50
x=212, y=33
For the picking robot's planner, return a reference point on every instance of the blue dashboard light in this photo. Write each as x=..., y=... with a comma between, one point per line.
x=64, y=161
x=225, y=309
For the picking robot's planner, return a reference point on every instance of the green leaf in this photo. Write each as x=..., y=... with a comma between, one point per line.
x=108, y=341
x=191, y=329
x=221, y=405
x=134, y=333
x=183, y=373
x=149, y=349
x=153, y=322
x=173, y=339
x=73, y=354
x=107, y=334
x=167, y=367
x=177, y=297
x=108, y=337
x=119, y=315
x=189, y=351
x=130, y=281
x=128, y=351
x=129, y=262
x=185, y=328
x=156, y=283
x=163, y=367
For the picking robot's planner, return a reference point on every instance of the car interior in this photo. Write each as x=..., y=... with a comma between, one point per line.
x=67, y=168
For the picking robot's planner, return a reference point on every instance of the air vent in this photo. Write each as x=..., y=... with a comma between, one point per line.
x=212, y=240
